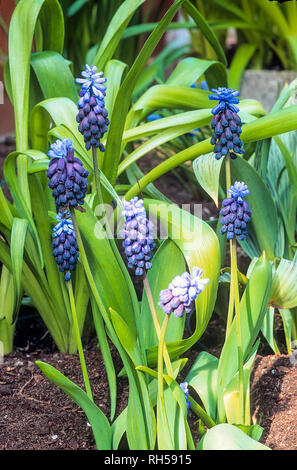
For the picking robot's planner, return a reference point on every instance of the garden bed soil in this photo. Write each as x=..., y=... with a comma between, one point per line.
x=35, y=414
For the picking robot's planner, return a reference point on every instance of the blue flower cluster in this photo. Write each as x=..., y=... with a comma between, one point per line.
x=67, y=176
x=235, y=212
x=137, y=233
x=65, y=247
x=184, y=387
x=92, y=114
x=181, y=292
x=226, y=123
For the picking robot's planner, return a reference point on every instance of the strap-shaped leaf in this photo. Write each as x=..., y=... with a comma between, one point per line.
x=17, y=242
x=207, y=171
x=168, y=261
x=206, y=30
x=264, y=216
x=189, y=70
x=228, y=437
x=252, y=309
x=54, y=75
x=97, y=419
x=115, y=31
x=203, y=378
x=284, y=286
x=198, y=243
x=267, y=126
x=122, y=103
x=21, y=204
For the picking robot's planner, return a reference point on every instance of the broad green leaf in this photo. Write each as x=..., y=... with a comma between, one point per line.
x=54, y=76
x=106, y=271
x=252, y=310
x=167, y=263
x=179, y=97
x=62, y=111
x=176, y=411
x=232, y=395
x=278, y=122
x=100, y=425
x=254, y=430
x=126, y=336
x=175, y=125
x=114, y=71
x=284, y=288
x=207, y=171
x=141, y=421
x=228, y=437
x=189, y=70
x=198, y=243
x=203, y=378
x=264, y=216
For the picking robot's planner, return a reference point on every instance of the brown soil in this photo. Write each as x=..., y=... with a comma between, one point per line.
x=35, y=414
x=274, y=400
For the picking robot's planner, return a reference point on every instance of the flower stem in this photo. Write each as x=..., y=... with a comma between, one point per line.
x=157, y=324
x=96, y=175
x=231, y=296
x=234, y=301
x=235, y=289
x=161, y=412
x=78, y=340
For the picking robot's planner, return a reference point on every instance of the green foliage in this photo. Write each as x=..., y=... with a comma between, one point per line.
x=41, y=85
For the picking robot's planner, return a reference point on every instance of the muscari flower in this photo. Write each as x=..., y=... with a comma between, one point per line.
x=138, y=241
x=67, y=176
x=92, y=114
x=181, y=292
x=184, y=387
x=235, y=212
x=65, y=247
x=226, y=123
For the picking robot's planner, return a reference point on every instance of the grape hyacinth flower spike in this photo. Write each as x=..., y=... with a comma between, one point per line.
x=92, y=114
x=235, y=212
x=65, y=247
x=226, y=123
x=137, y=233
x=67, y=176
x=181, y=292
